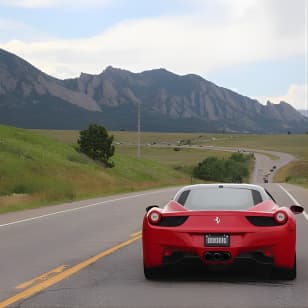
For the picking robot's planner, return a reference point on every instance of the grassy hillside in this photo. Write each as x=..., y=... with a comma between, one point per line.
x=37, y=170
x=184, y=160
x=295, y=173
x=297, y=145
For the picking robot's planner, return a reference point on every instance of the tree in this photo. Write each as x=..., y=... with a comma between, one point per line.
x=233, y=169
x=211, y=169
x=96, y=143
x=239, y=157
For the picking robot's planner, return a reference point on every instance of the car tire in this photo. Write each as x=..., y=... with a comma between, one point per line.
x=285, y=273
x=151, y=273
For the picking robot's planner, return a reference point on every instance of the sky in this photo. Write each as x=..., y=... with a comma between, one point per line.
x=257, y=48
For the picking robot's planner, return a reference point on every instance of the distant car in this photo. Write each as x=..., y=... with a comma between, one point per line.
x=220, y=224
x=265, y=180
x=274, y=167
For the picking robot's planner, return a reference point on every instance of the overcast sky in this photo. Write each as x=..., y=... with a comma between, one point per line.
x=254, y=47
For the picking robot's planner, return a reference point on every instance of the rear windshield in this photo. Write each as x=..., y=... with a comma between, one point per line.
x=220, y=198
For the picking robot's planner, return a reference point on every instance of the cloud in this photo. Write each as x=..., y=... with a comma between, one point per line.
x=13, y=29
x=243, y=32
x=296, y=96
x=54, y=3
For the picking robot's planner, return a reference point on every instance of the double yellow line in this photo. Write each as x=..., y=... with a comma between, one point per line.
x=62, y=272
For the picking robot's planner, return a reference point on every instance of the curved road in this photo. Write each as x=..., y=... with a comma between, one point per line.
x=45, y=259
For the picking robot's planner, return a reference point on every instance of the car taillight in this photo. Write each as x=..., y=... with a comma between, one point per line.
x=281, y=217
x=172, y=221
x=155, y=217
x=263, y=221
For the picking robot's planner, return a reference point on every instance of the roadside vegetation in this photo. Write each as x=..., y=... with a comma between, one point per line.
x=297, y=145
x=294, y=173
x=36, y=170
x=96, y=143
x=234, y=169
x=43, y=167
x=162, y=148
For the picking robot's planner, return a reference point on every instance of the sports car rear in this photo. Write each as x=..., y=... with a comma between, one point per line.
x=219, y=237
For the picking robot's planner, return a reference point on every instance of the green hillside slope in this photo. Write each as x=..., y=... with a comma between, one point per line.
x=37, y=170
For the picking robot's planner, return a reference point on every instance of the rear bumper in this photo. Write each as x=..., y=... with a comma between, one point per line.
x=267, y=245
x=257, y=257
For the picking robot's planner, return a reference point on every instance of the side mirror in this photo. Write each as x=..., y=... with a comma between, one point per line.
x=150, y=207
x=296, y=209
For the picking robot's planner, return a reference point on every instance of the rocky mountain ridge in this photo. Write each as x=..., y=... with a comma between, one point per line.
x=31, y=98
x=303, y=111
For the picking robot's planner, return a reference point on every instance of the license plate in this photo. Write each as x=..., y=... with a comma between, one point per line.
x=217, y=240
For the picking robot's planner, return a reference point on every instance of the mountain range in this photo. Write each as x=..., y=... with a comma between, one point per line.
x=30, y=98
x=304, y=112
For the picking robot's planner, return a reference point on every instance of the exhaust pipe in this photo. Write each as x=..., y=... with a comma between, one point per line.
x=226, y=255
x=217, y=256
x=208, y=256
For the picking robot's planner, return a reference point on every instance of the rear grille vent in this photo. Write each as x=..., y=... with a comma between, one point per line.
x=172, y=221
x=262, y=221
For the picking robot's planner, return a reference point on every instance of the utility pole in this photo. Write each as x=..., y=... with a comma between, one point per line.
x=139, y=130
x=306, y=56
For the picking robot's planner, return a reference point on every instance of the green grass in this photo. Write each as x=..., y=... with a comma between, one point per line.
x=183, y=160
x=41, y=167
x=37, y=170
x=296, y=145
x=295, y=173
x=126, y=137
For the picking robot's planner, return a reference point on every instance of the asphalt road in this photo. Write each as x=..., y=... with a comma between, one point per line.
x=62, y=239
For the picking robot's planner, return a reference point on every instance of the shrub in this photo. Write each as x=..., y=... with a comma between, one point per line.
x=233, y=169
x=96, y=143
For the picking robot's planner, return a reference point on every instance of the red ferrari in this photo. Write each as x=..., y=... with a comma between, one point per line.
x=221, y=224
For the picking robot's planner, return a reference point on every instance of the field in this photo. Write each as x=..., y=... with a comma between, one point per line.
x=297, y=145
x=36, y=170
x=183, y=160
x=42, y=167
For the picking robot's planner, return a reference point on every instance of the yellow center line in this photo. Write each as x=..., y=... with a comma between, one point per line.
x=65, y=274
x=136, y=233
x=43, y=277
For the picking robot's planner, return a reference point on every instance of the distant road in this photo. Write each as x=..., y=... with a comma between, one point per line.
x=88, y=254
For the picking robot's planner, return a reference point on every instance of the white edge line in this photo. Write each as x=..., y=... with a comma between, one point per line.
x=293, y=199
x=83, y=207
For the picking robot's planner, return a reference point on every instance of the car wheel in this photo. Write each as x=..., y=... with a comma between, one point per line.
x=151, y=272
x=285, y=273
